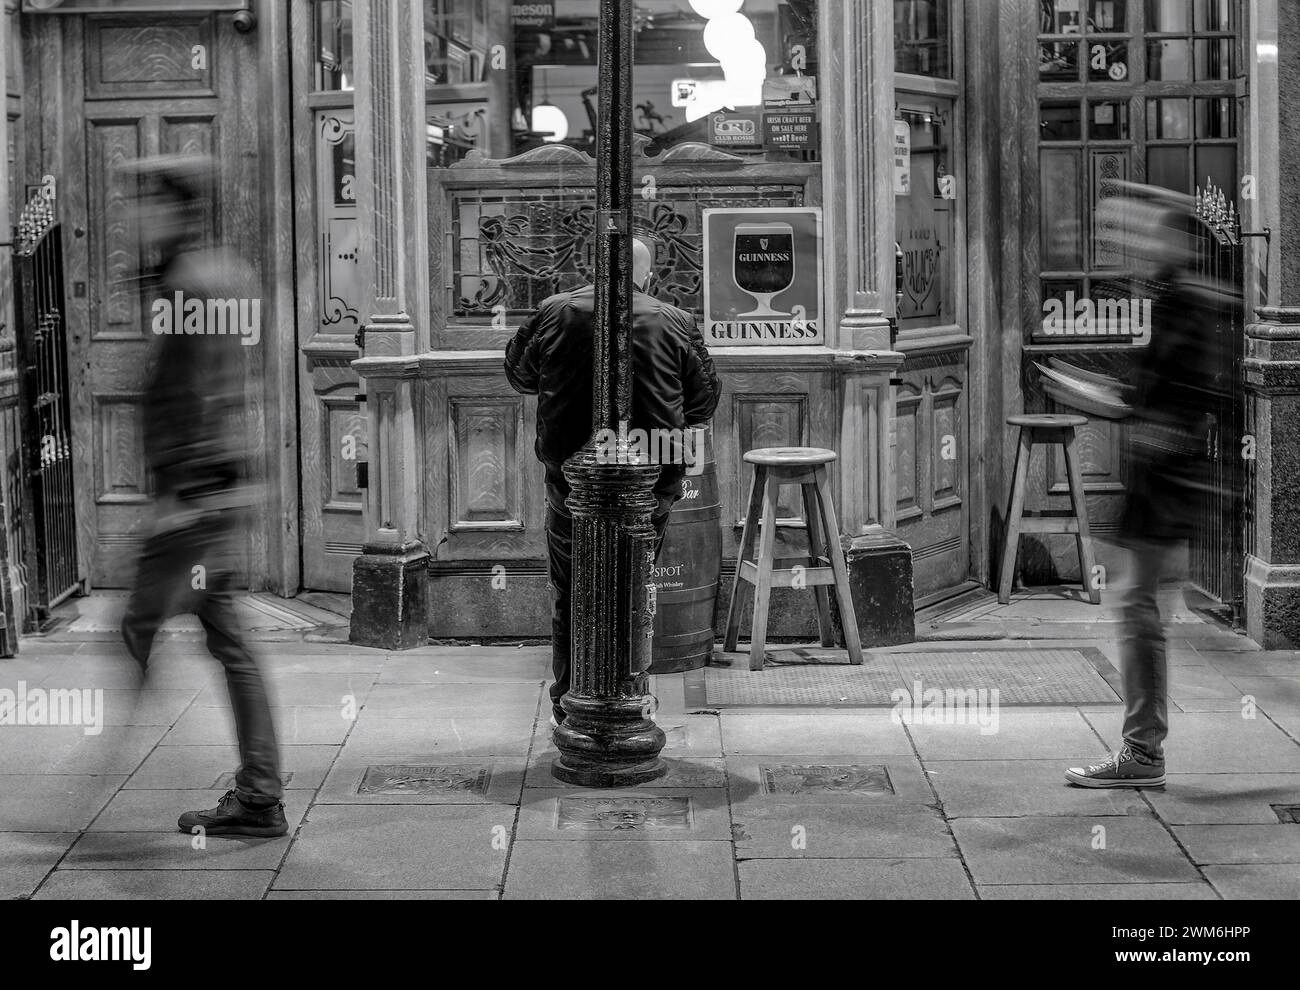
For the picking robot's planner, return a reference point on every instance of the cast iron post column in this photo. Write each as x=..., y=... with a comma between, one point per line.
x=608, y=738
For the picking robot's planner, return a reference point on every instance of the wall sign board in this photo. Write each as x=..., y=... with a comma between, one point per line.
x=763, y=276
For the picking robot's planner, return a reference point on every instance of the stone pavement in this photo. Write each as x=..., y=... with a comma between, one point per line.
x=747, y=810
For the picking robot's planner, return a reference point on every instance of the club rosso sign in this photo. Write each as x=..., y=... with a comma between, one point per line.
x=763, y=277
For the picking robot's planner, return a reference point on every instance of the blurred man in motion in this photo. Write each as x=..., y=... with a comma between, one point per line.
x=194, y=442
x=674, y=386
x=1175, y=391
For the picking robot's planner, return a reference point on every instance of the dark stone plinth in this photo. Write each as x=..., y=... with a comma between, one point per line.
x=608, y=738
x=880, y=581
x=390, y=596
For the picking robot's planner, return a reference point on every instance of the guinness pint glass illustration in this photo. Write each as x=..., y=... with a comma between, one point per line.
x=764, y=265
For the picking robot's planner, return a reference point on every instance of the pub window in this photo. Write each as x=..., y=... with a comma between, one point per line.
x=927, y=162
x=1141, y=91
x=334, y=69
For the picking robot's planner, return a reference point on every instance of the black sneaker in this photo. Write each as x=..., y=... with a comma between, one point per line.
x=232, y=817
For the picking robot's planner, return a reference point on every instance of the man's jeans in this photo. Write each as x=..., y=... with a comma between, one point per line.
x=559, y=549
x=1142, y=657
x=165, y=587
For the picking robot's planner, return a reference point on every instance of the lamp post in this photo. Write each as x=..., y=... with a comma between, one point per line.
x=607, y=738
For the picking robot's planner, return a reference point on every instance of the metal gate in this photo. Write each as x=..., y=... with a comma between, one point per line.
x=49, y=525
x=1218, y=538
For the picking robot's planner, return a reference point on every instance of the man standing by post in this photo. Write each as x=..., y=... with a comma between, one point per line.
x=674, y=387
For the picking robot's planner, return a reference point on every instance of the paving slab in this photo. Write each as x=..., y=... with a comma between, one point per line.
x=1273, y=694
x=173, y=850
x=1223, y=798
x=68, y=749
x=201, y=767
x=1240, y=844
x=1018, y=788
x=468, y=666
x=840, y=831
x=148, y=707
x=1200, y=683
x=1265, y=663
x=384, y=895
x=428, y=780
x=395, y=847
x=1019, y=736
x=275, y=663
x=27, y=857
x=53, y=802
x=1214, y=742
x=634, y=814
x=316, y=726
x=148, y=885
x=813, y=733
x=1061, y=850
x=1263, y=883
x=328, y=690
x=453, y=700
x=1195, y=891
x=854, y=879
x=649, y=870
x=394, y=738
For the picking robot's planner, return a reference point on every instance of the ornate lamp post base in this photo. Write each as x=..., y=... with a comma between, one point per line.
x=608, y=738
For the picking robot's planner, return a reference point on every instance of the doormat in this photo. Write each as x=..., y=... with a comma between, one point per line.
x=1073, y=676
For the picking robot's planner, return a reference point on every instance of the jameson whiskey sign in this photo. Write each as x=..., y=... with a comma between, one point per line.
x=763, y=276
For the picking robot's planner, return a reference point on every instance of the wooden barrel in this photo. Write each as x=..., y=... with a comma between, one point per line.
x=687, y=573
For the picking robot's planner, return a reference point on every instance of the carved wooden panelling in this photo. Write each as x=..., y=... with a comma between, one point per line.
x=191, y=134
x=485, y=470
x=137, y=58
x=114, y=254
x=121, y=473
x=344, y=441
x=770, y=421
x=948, y=445
x=907, y=458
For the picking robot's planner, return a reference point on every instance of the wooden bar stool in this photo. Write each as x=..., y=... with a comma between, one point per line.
x=775, y=467
x=1047, y=429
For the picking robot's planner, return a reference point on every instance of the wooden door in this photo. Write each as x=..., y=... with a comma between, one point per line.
x=134, y=87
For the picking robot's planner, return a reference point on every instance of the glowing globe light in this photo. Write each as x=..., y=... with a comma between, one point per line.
x=725, y=37
x=709, y=9
x=550, y=119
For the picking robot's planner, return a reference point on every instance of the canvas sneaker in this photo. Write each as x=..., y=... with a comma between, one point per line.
x=1118, y=770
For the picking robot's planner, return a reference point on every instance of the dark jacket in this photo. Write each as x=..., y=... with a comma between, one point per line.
x=194, y=437
x=1178, y=389
x=674, y=384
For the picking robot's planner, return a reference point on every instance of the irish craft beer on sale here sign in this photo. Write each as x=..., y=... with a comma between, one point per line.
x=763, y=276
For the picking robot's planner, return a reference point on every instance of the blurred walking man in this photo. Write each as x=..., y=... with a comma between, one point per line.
x=196, y=449
x=1173, y=395
x=673, y=386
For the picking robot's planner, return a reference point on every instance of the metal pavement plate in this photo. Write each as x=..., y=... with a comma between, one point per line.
x=797, y=779
x=615, y=814
x=425, y=779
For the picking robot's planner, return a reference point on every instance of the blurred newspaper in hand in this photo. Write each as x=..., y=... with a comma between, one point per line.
x=1087, y=391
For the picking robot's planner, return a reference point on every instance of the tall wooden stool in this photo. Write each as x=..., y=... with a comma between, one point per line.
x=1047, y=429
x=775, y=467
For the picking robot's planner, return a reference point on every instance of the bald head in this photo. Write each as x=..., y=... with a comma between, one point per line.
x=642, y=263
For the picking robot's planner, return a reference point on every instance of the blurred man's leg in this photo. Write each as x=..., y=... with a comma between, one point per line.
x=147, y=609
x=1143, y=659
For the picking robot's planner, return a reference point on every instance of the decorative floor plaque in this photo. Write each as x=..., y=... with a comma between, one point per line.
x=617, y=814
x=1287, y=814
x=825, y=779
x=407, y=779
